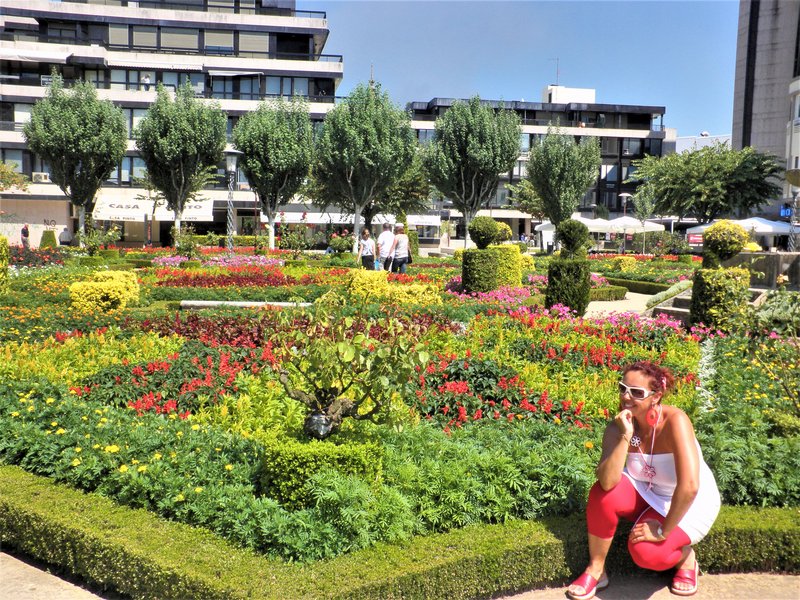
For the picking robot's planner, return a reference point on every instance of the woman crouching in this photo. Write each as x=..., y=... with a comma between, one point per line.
x=651, y=472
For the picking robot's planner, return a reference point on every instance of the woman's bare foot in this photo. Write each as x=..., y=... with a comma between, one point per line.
x=598, y=573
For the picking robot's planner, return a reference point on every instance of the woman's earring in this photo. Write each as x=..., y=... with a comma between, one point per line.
x=652, y=416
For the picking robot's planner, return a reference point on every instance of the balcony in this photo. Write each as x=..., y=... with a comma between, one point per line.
x=208, y=6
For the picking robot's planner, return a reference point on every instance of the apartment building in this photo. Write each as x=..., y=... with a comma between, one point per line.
x=626, y=133
x=234, y=52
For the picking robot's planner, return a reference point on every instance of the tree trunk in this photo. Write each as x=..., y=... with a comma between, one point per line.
x=82, y=224
x=356, y=223
x=271, y=221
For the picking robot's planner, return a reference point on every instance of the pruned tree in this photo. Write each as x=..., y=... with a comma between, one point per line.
x=561, y=170
x=473, y=145
x=527, y=200
x=365, y=147
x=710, y=182
x=643, y=207
x=410, y=194
x=277, y=142
x=181, y=143
x=81, y=137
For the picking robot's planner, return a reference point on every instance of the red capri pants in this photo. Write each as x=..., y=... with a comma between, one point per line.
x=604, y=511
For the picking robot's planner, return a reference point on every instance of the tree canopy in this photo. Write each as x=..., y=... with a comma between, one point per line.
x=366, y=145
x=277, y=141
x=180, y=141
x=525, y=198
x=81, y=138
x=710, y=182
x=473, y=145
x=561, y=170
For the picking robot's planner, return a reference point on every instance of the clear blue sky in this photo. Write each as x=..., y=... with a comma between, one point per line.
x=680, y=55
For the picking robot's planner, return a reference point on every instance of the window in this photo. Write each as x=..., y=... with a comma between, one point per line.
x=144, y=37
x=119, y=79
x=609, y=145
x=631, y=147
x=274, y=86
x=118, y=35
x=610, y=173
x=222, y=87
x=249, y=88
x=219, y=42
x=301, y=86
x=524, y=142
x=139, y=170
x=22, y=113
x=13, y=157
x=652, y=146
x=177, y=38
x=221, y=6
x=96, y=77
x=170, y=80
x=253, y=43
x=520, y=169
x=425, y=136
x=61, y=30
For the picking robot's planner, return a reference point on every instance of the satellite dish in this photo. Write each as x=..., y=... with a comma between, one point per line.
x=793, y=177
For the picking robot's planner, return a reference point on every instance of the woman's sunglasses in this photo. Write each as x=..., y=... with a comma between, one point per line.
x=637, y=393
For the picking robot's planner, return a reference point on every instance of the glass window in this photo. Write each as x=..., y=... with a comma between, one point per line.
x=520, y=169
x=252, y=43
x=631, y=146
x=22, y=113
x=137, y=115
x=524, y=142
x=114, y=177
x=247, y=6
x=61, y=30
x=125, y=170
x=609, y=172
x=609, y=145
x=95, y=77
x=170, y=80
x=119, y=79
x=13, y=157
x=249, y=88
x=286, y=86
x=653, y=147
x=221, y=6
x=222, y=87
x=274, y=86
x=118, y=34
x=301, y=86
x=145, y=36
x=139, y=170
x=220, y=42
x=178, y=38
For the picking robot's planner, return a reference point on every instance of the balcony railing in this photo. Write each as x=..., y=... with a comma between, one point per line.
x=209, y=6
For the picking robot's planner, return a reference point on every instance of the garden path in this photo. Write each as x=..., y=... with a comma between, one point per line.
x=636, y=303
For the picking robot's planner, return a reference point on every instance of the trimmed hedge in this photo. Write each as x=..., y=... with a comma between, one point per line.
x=91, y=261
x=676, y=289
x=639, y=287
x=509, y=265
x=480, y=270
x=138, y=554
x=603, y=294
x=568, y=283
x=48, y=239
x=108, y=253
x=720, y=297
x=140, y=263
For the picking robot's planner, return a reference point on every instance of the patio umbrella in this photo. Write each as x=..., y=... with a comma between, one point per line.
x=631, y=225
x=765, y=226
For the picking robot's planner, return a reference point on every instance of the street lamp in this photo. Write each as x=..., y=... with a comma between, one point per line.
x=793, y=177
x=625, y=196
x=231, y=156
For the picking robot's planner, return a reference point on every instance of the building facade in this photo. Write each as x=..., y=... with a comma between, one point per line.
x=626, y=133
x=766, y=104
x=234, y=52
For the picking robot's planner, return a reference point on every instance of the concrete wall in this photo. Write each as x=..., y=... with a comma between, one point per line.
x=771, y=264
x=39, y=215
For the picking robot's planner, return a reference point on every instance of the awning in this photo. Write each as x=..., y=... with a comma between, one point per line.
x=152, y=66
x=315, y=218
x=425, y=220
x=196, y=210
x=234, y=73
x=13, y=21
x=24, y=55
x=132, y=211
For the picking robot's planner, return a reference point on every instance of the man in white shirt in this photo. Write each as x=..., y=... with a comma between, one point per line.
x=385, y=241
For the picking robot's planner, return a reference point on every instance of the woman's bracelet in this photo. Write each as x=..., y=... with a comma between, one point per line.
x=625, y=437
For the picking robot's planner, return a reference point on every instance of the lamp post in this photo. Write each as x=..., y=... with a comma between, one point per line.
x=231, y=156
x=793, y=177
x=625, y=197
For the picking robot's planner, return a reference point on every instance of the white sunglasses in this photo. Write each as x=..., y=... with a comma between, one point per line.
x=637, y=393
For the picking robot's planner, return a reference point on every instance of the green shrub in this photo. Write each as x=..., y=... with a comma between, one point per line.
x=458, y=254
x=660, y=243
x=91, y=261
x=107, y=253
x=480, y=269
x=685, y=259
x=289, y=465
x=523, y=247
x=639, y=287
x=509, y=267
x=504, y=233
x=722, y=241
x=720, y=297
x=140, y=263
x=611, y=292
x=483, y=231
x=186, y=242
x=573, y=237
x=676, y=289
x=413, y=242
x=568, y=283
x=48, y=239
x=190, y=264
x=5, y=254
x=623, y=264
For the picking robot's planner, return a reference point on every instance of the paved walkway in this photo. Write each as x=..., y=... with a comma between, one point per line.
x=632, y=303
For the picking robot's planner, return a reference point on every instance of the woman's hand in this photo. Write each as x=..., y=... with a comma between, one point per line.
x=645, y=531
x=624, y=421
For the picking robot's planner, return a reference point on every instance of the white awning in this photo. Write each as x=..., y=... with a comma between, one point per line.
x=152, y=66
x=196, y=210
x=425, y=220
x=132, y=211
x=24, y=55
x=19, y=22
x=314, y=218
x=234, y=73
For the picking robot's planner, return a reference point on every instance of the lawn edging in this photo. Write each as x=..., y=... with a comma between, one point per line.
x=141, y=555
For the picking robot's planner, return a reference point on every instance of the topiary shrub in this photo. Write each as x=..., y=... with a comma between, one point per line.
x=719, y=298
x=483, y=231
x=623, y=264
x=573, y=237
x=722, y=241
x=509, y=268
x=568, y=283
x=127, y=279
x=523, y=247
x=48, y=239
x=108, y=253
x=5, y=254
x=413, y=242
x=504, y=232
x=97, y=296
x=480, y=269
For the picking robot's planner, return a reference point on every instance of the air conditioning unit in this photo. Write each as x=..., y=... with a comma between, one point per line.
x=41, y=177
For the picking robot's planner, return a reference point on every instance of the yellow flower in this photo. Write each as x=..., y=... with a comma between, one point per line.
x=50, y=400
x=229, y=467
x=76, y=462
x=195, y=427
x=179, y=498
x=78, y=449
x=96, y=446
x=31, y=409
x=123, y=469
x=141, y=469
x=157, y=456
x=198, y=489
x=113, y=449
x=61, y=431
x=179, y=433
x=557, y=421
x=15, y=414
x=134, y=462
x=54, y=424
x=588, y=445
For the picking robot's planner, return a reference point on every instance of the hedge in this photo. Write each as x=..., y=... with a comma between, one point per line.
x=639, y=287
x=612, y=292
x=480, y=270
x=5, y=254
x=568, y=284
x=137, y=554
